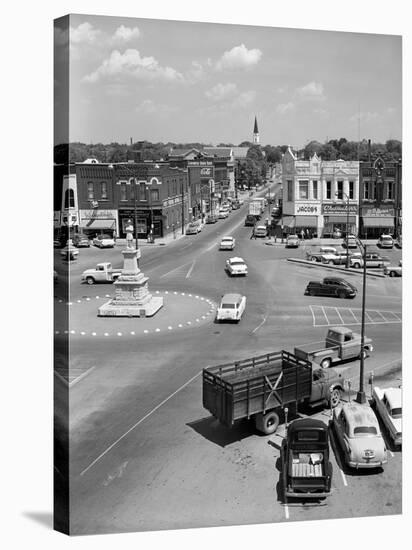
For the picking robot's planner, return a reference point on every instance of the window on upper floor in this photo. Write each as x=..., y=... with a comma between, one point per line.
x=351, y=189
x=103, y=194
x=154, y=195
x=142, y=192
x=69, y=198
x=339, y=190
x=366, y=194
x=303, y=189
x=315, y=189
x=90, y=191
x=289, y=185
x=373, y=190
x=123, y=192
x=328, y=189
x=390, y=190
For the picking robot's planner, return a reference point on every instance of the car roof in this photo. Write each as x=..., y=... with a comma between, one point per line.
x=231, y=297
x=394, y=396
x=357, y=413
x=236, y=259
x=341, y=330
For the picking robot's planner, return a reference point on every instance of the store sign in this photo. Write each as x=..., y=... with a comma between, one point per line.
x=205, y=171
x=200, y=163
x=307, y=208
x=380, y=212
x=98, y=214
x=339, y=209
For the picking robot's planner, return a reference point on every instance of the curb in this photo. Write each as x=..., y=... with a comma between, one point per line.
x=335, y=267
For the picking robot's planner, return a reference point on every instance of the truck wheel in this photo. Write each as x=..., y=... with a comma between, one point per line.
x=335, y=397
x=364, y=354
x=325, y=363
x=90, y=280
x=267, y=423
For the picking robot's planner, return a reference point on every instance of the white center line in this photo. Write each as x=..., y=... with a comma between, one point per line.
x=139, y=422
x=343, y=478
x=340, y=317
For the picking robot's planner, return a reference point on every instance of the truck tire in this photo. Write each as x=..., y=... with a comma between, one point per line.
x=334, y=398
x=267, y=423
x=325, y=363
x=90, y=280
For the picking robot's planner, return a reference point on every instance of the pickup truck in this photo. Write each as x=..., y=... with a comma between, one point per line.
x=341, y=344
x=102, y=273
x=259, y=388
x=372, y=260
x=305, y=466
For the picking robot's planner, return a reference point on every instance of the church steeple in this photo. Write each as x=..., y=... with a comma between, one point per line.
x=256, y=133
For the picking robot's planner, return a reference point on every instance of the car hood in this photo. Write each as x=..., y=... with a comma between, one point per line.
x=88, y=271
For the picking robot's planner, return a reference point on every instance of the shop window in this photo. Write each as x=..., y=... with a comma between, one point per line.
x=304, y=189
x=328, y=189
x=123, y=192
x=351, y=189
x=142, y=192
x=289, y=187
x=90, y=191
x=104, y=190
x=154, y=195
x=339, y=190
x=69, y=198
x=315, y=189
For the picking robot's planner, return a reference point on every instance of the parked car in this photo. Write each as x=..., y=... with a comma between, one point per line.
x=350, y=242
x=331, y=286
x=231, y=308
x=250, y=220
x=211, y=218
x=193, y=228
x=292, y=241
x=385, y=241
x=80, y=240
x=227, y=243
x=236, y=266
x=372, y=260
x=275, y=212
x=223, y=213
x=388, y=406
x=102, y=273
x=235, y=204
x=104, y=241
x=316, y=255
x=260, y=231
x=393, y=270
x=339, y=258
x=358, y=434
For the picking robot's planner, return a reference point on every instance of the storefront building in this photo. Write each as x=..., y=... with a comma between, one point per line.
x=381, y=197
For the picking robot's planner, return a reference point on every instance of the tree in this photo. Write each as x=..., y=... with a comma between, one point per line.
x=311, y=148
x=328, y=152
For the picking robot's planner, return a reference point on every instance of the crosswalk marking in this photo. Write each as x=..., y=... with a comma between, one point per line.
x=324, y=316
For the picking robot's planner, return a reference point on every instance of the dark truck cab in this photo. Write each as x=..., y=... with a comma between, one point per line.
x=305, y=467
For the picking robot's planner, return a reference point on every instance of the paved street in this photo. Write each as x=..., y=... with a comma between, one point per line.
x=144, y=453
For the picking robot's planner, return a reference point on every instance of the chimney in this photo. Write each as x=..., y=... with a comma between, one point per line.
x=131, y=141
x=369, y=150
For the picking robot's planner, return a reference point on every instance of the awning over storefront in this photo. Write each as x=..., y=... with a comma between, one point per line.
x=287, y=221
x=339, y=219
x=98, y=224
x=306, y=221
x=377, y=221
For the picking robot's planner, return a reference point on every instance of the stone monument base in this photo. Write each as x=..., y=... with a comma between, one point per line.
x=116, y=309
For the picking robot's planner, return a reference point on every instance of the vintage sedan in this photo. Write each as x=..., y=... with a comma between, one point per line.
x=316, y=255
x=292, y=241
x=388, y=406
x=339, y=258
x=236, y=266
x=80, y=240
x=350, y=242
x=357, y=431
x=231, y=308
x=193, y=228
x=260, y=231
x=227, y=243
x=393, y=270
x=331, y=286
x=211, y=218
x=372, y=260
x=223, y=213
x=103, y=241
x=386, y=241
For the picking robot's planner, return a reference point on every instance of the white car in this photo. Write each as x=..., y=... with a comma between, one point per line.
x=358, y=434
x=231, y=308
x=393, y=270
x=223, y=213
x=292, y=241
x=388, y=406
x=386, y=241
x=227, y=243
x=236, y=266
x=260, y=231
x=104, y=241
x=193, y=228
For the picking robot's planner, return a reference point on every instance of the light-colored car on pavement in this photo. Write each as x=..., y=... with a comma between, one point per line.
x=315, y=255
x=231, y=308
x=292, y=241
x=260, y=231
x=350, y=242
x=236, y=266
x=223, y=213
x=227, y=243
x=372, y=260
x=104, y=241
x=357, y=431
x=393, y=270
x=388, y=406
x=193, y=228
x=386, y=241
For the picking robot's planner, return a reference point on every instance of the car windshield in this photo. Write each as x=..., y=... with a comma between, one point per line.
x=228, y=306
x=226, y=240
x=396, y=412
x=237, y=263
x=365, y=430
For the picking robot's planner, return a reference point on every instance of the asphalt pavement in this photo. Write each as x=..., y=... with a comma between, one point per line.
x=144, y=453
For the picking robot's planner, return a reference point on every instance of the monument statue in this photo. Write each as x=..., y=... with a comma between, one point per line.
x=129, y=234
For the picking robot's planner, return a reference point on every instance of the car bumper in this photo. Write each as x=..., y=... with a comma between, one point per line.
x=302, y=494
x=366, y=465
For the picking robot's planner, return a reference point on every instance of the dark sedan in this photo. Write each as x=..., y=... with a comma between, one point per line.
x=331, y=286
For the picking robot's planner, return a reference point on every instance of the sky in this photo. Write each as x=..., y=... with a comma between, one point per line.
x=186, y=82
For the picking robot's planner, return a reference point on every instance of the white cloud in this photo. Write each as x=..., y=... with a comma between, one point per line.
x=284, y=108
x=238, y=57
x=320, y=112
x=132, y=64
x=195, y=73
x=364, y=117
x=222, y=92
x=84, y=33
x=125, y=34
x=149, y=107
x=244, y=99
x=311, y=91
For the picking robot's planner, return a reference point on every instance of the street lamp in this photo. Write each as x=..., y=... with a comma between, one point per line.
x=361, y=396
x=347, y=227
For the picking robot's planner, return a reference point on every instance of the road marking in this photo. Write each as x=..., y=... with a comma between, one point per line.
x=138, y=423
x=191, y=269
x=313, y=315
x=391, y=453
x=286, y=507
x=61, y=378
x=343, y=478
x=83, y=375
x=258, y=327
x=173, y=270
x=340, y=316
x=210, y=247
